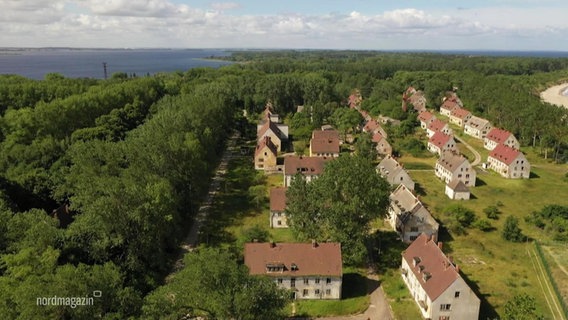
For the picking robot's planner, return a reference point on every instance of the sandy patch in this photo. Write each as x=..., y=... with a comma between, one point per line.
x=553, y=95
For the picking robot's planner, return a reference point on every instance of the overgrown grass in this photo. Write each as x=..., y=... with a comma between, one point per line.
x=355, y=298
x=402, y=303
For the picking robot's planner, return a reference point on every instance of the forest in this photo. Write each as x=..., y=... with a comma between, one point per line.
x=132, y=158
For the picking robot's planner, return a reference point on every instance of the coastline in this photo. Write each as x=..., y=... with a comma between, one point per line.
x=553, y=95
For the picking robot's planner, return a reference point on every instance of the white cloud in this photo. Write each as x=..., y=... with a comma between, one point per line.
x=224, y=6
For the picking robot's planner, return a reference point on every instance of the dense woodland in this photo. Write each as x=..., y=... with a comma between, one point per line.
x=133, y=156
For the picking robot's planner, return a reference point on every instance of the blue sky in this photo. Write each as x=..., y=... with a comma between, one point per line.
x=314, y=24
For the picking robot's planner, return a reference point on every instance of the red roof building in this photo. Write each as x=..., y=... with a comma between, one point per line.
x=441, y=142
x=309, y=167
x=278, y=218
x=509, y=162
x=324, y=143
x=498, y=136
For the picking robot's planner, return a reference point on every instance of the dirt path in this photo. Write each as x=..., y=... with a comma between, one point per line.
x=472, y=149
x=545, y=285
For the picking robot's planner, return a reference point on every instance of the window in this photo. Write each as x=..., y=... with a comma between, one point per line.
x=412, y=238
x=279, y=280
x=467, y=175
x=401, y=178
x=457, y=294
x=445, y=307
x=328, y=281
x=328, y=292
x=306, y=281
x=279, y=222
x=305, y=293
x=413, y=229
x=444, y=318
x=317, y=280
x=293, y=282
x=266, y=153
x=317, y=292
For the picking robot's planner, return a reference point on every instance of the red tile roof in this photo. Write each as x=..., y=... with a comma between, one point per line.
x=304, y=165
x=371, y=126
x=266, y=142
x=449, y=104
x=498, y=135
x=377, y=137
x=269, y=125
x=442, y=273
x=460, y=113
x=504, y=154
x=436, y=125
x=325, y=141
x=439, y=139
x=278, y=199
x=319, y=259
x=425, y=116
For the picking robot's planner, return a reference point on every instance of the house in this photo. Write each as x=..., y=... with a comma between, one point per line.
x=415, y=98
x=309, y=167
x=278, y=133
x=449, y=105
x=383, y=147
x=324, y=143
x=457, y=190
x=453, y=166
x=498, y=136
x=278, y=218
x=509, y=162
x=269, y=114
x=438, y=125
x=459, y=116
x=441, y=142
x=265, y=154
x=435, y=282
x=477, y=127
x=394, y=173
x=355, y=100
x=408, y=216
x=372, y=126
x=425, y=118
x=308, y=270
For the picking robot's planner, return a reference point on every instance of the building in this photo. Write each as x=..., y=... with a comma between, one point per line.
x=277, y=132
x=453, y=166
x=449, y=105
x=408, y=216
x=383, y=147
x=435, y=282
x=459, y=116
x=499, y=136
x=278, y=218
x=308, y=270
x=425, y=118
x=477, y=127
x=508, y=162
x=438, y=125
x=324, y=143
x=309, y=167
x=441, y=142
x=415, y=98
x=394, y=173
x=457, y=190
x=265, y=154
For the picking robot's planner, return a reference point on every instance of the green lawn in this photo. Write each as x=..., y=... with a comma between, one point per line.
x=402, y=303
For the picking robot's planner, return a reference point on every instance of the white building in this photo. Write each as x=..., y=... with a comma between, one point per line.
x=498, y=136
x=509, y=162
x=394, y=173
x=457, y=190
x=441, y=142
x=477, y=127
x=309, y=167
x=452, y=166
x=308, y=270
x=278, y=217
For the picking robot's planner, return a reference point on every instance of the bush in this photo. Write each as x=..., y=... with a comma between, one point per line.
x=511, y=230
x=464, y=216
x=492, y=212
x=483, y=225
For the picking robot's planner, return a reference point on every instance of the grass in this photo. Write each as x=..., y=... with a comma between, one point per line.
x=354, y=298
x=496, y=269
x=402, y=304
x=557, y=257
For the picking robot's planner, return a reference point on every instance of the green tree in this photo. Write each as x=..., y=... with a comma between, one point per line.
x=345, y=119
x=521, y=307
x=226, y=292
x=492, y=212
x=511, y=231
x=258, y=195
x=364, y=146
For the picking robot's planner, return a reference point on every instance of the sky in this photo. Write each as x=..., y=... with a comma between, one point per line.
x=531, y=25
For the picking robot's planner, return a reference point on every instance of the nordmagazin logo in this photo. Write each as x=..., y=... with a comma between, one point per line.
x=72, y=302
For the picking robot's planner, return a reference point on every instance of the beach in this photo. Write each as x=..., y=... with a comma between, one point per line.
x=557, y=95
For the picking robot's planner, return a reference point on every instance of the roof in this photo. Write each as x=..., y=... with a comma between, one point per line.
x=278, y=199
x=325, y=141
x=431, y=261
x=425, y=116
x=389, y=168
x=311, y=259
x=498, y=135
x=451, y=160
x=405, y=199
x=377, y=137
x=266, y=142
x=458, y=186
x=450, y=104
x=440, y=139
x=460, y=113
x=269, y=125
x=371, y=126
x=504, y=154
x=477, y=122
x=305, y=165
x=436, y=125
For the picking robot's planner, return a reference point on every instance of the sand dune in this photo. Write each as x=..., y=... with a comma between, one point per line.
x=553, y=95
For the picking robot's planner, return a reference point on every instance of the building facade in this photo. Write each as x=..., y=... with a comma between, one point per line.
x=278, y=217
x=509, y=162
x=394, y=173
x=498, y=136
x=452, y=166
x=477, y=127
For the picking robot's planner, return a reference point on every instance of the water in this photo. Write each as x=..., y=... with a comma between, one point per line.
x=88, y=63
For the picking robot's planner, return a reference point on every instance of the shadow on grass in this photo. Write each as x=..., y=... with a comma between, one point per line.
x=534, y=175
x=356, y=285
x=420, y=190
x=479, y=182
x=386, y=249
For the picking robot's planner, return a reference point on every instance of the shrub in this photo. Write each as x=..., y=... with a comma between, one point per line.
x=483, y=225
x=511, y=230
x=492, y=212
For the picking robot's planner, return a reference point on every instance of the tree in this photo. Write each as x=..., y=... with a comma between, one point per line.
x=521, y=307
x=492, y=212
x=364, y=146
x=257, y=194
x=483, y=225
x=339, y=205
x=511, y=230
x=345, y=119
x=214, y=285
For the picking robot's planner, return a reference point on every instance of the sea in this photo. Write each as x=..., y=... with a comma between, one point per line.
x=35, y=63
x=90, y=63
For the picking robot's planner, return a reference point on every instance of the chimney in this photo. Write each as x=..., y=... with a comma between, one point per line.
x=457, y=269
x=440, y=244
x=314, y=243
x=272, y=244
